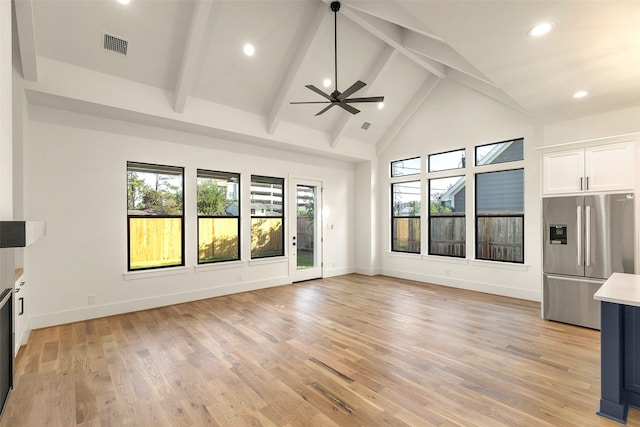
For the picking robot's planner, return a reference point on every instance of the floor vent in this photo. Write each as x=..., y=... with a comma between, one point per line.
x=115, y=44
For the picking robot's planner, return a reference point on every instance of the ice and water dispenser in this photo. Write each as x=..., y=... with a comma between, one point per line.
x=558, y=234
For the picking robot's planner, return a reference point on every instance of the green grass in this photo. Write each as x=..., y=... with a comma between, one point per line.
x=305, y=259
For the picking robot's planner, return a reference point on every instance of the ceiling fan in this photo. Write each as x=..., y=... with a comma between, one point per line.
x=341, y=99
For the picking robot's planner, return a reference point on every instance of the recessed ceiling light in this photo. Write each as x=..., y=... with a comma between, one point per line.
x=540, y=29
x=249, y=50
x=326, y=82
x=380, y=105
x=124, y=1
x=580, y=94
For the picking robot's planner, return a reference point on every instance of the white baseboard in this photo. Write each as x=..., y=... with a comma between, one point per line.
x=331, y=272
x=490, y=288
x=367, y=271
x=96, y=311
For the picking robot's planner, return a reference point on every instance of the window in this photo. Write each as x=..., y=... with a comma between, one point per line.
x=405, y=217
x=500, y=152
x=447, y=224
x=446, y=161
x=500, y=216
x=155, y=216
x=405, y=167
x=218, y=216
x=267, y=217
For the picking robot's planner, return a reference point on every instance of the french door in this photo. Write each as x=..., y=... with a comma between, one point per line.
x=305, y=230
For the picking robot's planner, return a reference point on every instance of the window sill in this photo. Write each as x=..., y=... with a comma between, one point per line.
x=499, y=264
x=225, y=265
x=270, y=260
x=445, y=259
x=145, y=274
x=403, y=254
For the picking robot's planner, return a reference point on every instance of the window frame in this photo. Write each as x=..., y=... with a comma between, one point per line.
x=282, y=216
x=404, y=160
x=202, y=173
x=414, y=217
x=496, y=215
x=158, y=168
x=475, y=153
x=429, y=217
x=463, y=167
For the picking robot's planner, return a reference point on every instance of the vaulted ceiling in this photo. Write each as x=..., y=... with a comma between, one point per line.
x=191, y=52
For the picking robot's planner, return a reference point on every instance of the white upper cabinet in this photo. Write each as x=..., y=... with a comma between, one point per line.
x=602, y=168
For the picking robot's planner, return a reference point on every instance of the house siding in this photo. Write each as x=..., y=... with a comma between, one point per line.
x=500, y=191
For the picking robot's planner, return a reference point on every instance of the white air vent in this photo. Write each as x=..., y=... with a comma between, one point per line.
x=365, y=125
x=115, y=44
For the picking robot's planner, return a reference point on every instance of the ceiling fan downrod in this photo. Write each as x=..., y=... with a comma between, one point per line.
x=335, y=7
x=337, y=98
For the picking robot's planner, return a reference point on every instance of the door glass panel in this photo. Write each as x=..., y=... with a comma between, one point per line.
x=306, y=228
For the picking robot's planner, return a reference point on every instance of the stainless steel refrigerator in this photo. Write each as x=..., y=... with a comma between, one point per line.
x=586, y=239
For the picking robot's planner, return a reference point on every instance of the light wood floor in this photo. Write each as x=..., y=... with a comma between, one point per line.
x=346, y=351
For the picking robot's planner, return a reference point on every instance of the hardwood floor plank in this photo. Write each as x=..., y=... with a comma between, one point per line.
x=343, y=351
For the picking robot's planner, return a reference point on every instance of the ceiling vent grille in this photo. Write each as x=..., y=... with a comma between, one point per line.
x=365, y=125
x=115, y=44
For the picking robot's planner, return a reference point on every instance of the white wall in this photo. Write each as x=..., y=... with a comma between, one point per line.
x=75, y=180
x=6, y=139
x=619, y=122
x=367, y=228
x=454, y=117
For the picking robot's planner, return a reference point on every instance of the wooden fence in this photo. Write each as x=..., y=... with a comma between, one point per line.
x=305, y=233
x=448, y=235
x=266, y=236
x=155, y=242
x=407, y=235
x=217, y=239
x=500, y=238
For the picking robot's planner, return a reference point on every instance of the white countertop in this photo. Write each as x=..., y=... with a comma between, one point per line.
x=620, y=288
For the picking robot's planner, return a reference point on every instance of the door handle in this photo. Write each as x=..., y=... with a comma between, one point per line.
x=587, y=228
x=579, y=232
x=580, y=183
x=21, y=306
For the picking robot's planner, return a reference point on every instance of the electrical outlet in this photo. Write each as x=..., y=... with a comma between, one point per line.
x=91, y=299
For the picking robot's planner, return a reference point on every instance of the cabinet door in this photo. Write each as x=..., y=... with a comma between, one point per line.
x=609, y=167
x=632, y=348
x=563, y=172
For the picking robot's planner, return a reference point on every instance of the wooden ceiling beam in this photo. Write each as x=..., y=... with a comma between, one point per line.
x=27, y=39
x=392, y=35
x=293, y=76
x=205, y=12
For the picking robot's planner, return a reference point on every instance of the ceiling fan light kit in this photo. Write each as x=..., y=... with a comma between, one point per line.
x=341, y=99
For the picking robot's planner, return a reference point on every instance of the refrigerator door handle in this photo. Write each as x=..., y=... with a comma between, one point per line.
x=579, y=233
x=587, y=240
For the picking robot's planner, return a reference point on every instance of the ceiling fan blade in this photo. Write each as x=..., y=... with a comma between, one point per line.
x=319, y=92
x=347, y=107
x=310, y=102
x=352, y=89
x=325, y=109
x=367, y=99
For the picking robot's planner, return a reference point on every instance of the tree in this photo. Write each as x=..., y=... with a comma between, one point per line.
x=212, y=199
x=135, y=190
x=308, y=209
x=165, y=198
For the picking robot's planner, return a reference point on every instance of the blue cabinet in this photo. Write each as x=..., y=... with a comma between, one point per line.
x=619, y=360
